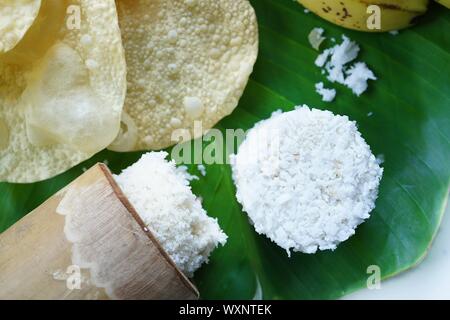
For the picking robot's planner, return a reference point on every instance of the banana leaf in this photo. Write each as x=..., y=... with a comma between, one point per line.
x=404, y=116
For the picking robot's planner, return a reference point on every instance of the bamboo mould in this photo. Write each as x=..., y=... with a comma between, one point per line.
x=87, y=242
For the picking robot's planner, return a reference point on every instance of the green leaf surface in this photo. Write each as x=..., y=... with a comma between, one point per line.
x=409, y=126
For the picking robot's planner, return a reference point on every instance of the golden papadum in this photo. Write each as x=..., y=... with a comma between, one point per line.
x=63, y=80
x=16, y=17
x=187, y=60
x=62, y=89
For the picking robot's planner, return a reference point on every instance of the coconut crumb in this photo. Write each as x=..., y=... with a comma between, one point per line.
x=202, y=169
x=163, y=198
x=328, y=95
x=380, y=159
x=315, y=38
x=357, y=77
x=341, y=54
x=335, y=61
x=184, y=170
x=322, y=58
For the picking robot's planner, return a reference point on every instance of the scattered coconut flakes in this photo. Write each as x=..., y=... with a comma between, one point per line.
x=380, y=159
x=334, y=61
x=201, y=168
x=315, y=38
x=345, y=52
x=341, y=54
x=328, y=95
x=164, y=200
x=322, y=58
x=184, y=170
x=324, y=185
x=306, y=11
x=335, y=73
x=357, y=77
x=393, y=32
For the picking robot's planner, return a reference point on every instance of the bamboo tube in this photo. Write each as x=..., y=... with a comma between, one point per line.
x=87, y=242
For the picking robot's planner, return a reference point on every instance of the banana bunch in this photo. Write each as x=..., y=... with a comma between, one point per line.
x=370, y=15
x=445, y=3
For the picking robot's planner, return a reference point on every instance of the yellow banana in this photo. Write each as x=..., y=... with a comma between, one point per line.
x=445, y=3
x=356, y=14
